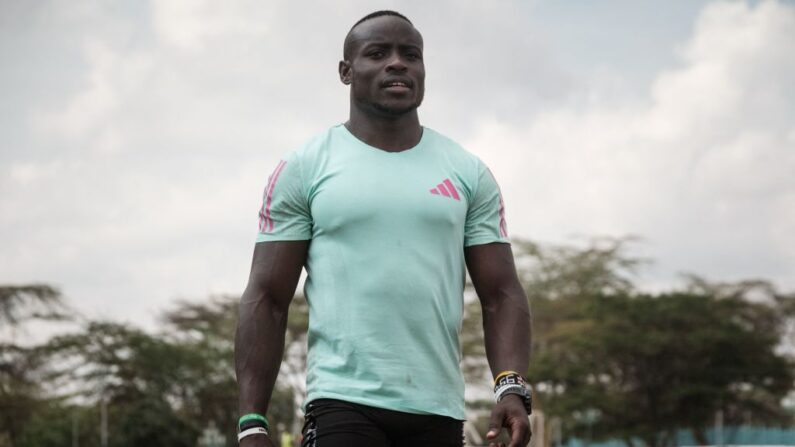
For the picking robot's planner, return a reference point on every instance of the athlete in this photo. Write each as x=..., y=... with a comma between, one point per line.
x=386, y=215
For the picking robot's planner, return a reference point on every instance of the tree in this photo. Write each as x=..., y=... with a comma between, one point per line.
x=138, y=374
x=21, y=367
x=164, y=388
x=31, y=301
x=645, y=365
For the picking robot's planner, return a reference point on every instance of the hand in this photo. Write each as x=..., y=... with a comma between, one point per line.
x=510, y=413
x=257, y=441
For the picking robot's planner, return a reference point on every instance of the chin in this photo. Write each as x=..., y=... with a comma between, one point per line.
x=396, y=109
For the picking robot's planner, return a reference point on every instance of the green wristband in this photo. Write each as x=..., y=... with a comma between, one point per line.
x=253, y=416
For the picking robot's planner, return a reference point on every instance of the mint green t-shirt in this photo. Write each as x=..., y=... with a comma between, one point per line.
x=385, y=268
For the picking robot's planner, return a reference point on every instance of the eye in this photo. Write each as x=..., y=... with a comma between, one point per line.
x=414, y=56
x=376, y=54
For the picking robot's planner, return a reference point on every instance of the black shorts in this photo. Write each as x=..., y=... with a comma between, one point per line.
x=335, y=423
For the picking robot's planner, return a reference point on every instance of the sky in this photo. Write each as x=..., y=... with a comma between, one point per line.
x=137, y=136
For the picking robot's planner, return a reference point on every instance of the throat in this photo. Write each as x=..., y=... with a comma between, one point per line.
x=395, y=135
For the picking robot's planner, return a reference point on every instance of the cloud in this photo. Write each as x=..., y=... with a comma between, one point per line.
x=192, y=24
x=140, y=181
x=702, y=167
x=149, y=130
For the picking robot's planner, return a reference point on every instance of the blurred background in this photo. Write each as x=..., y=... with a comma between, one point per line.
x=645, y=150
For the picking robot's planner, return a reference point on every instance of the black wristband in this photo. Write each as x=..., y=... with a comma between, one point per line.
x=251, y=424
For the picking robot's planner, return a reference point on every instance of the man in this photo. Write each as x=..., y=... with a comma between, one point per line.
x=386, y=215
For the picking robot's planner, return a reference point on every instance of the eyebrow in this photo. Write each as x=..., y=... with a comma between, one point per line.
x=387, y=44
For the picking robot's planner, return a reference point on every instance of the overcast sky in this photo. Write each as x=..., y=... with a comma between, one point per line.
x=137, y=136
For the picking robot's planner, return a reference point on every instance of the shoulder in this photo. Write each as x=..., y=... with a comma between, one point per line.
x=466, y=164
x=315, y=146
x=314, y=155
x=451, y=149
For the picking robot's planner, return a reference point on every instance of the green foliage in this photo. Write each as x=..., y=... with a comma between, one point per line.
x=21, y=394
x=150, y=421
x=52, y=424
x=565, y=271
x=162, y=389
x=615, y=363
x=19, y=390
x=635, y=365
x=649, y=364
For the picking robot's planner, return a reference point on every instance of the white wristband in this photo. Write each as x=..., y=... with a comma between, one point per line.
x=500, y=393
x=251, y=431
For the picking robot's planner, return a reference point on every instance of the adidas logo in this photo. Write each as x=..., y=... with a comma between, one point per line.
x=447, y=189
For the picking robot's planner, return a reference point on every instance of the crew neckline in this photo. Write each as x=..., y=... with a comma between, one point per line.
x=417, y=147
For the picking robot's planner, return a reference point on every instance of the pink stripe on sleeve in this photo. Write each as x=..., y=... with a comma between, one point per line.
x=262, y=220
x=268, y=223
x=451, y=188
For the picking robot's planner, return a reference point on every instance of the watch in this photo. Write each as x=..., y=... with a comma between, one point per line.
x=510, y=382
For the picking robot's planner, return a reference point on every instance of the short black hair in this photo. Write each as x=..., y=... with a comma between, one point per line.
x=372, y=15
x=383, y=12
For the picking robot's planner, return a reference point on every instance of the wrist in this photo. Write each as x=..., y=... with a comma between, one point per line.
x=511, y=383
x=255, y=431
x=252, y=424
x=512, y=399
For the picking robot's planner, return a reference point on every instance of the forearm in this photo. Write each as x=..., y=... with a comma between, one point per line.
x=507, y=329
x=259, y=345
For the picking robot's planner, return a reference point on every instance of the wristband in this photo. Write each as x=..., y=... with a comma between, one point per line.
x=250, y=424
x=508, y=378
x=251, y=431
x=510, y=382
x=502, y=392
x=253, y=417
x=504, y=373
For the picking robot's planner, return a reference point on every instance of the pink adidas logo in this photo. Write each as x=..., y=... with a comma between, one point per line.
x=447, y=189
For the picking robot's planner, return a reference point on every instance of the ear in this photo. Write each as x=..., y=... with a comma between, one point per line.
x=346, y=76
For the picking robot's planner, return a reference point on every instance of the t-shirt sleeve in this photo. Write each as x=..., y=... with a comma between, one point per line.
x=284, y=214
x=485, y=221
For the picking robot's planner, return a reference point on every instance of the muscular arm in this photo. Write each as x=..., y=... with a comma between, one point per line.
x=506, y=328
x=506, y=314
x=259, y=342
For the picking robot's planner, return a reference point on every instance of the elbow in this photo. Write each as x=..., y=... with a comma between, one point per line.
x=259, y=298
x=509, y=296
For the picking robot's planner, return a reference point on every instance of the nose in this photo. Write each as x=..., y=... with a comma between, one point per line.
x=395, y=63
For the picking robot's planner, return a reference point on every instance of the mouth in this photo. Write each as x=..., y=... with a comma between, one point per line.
x=396, y=85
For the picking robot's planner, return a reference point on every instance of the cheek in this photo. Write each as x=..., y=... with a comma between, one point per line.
x=362, y=78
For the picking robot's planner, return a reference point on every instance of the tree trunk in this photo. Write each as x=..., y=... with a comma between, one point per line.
x=699, y=436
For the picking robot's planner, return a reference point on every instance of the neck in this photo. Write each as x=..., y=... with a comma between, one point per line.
x=388, y=133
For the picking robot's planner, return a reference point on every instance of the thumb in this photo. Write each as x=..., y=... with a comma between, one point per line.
x=495, y=424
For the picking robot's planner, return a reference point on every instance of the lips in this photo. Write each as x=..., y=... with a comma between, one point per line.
x=396, y=83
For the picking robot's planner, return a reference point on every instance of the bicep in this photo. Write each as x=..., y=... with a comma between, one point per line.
x=276, y=269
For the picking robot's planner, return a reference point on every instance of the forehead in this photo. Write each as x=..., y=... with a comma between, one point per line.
x=386, y=29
